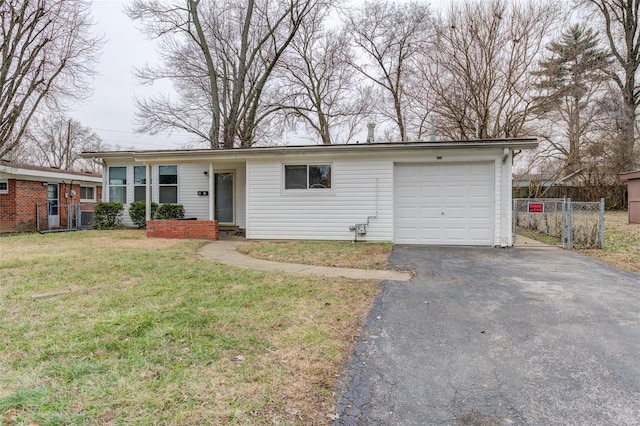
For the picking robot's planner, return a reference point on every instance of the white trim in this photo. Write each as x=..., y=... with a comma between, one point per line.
x=89, y=200
x=6, y=182
x=307, y=190
x=124, y=185
x=233, y=195
x=177, y=184
x=134, y=184
x=212, y=199
x=28, y=174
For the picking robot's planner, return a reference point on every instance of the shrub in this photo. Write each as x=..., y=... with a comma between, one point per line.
x=108, y=215
x=137, y=213
x=170, y=211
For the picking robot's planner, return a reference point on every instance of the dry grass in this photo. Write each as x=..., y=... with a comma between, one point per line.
x=622, y=243
x=343, y=254
x=151, y=334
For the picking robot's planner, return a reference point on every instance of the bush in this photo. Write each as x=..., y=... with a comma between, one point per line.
x=108, y=215
x=170, y=211
x=137, y=213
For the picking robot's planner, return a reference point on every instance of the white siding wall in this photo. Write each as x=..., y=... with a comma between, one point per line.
x=276, y=213
x=240, y=189
x=318, y=214
x=269, y=211
x=191, y=179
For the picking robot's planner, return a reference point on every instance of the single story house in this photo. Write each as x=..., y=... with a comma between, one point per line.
x=443, y=193
x=27, y=190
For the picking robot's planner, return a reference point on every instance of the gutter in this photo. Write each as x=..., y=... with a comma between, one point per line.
x=282, y=151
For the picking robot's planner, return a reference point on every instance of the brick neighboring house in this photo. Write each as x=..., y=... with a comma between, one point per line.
x=24, y=186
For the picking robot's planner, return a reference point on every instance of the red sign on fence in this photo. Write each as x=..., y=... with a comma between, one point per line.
x=536, y=208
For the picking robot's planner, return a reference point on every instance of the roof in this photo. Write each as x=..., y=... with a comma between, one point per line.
x=244, y=153
x=629, y=175
x=38, y=172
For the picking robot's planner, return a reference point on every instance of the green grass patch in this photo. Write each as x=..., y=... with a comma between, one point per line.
x=621, y=243
x=152, y=334
x=345, y=254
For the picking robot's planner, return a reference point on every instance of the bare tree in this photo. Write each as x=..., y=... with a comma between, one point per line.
x=47, y=54
x=220, y=56
x=390, y=35
x=479, y=66
x=622, y=29
x=319, y=84
x=55, y=140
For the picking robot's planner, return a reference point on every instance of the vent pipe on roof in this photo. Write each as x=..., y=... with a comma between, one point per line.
x=370, y=136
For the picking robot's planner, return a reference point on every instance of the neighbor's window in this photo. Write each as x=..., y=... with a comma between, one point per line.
x=139, y=183
x=87, y=193
x=168, y=184
x=118, y=184
x=308, y=176
x=4, y=187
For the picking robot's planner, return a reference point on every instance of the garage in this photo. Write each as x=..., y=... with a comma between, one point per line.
x=444, y=203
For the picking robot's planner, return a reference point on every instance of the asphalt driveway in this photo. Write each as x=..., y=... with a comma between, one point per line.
x=486, y=336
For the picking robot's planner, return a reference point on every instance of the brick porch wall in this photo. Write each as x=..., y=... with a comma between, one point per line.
x=183, y=229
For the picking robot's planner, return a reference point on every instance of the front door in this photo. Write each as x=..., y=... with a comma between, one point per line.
x=53, y=208
x=224, y=212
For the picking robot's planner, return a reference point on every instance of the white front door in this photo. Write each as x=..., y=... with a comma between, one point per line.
x=444, y=204
x=224, y=185
x=53, y=207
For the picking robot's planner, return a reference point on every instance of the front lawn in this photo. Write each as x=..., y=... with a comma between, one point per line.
x=151, y=334
x=621, y=243
x=344, y=254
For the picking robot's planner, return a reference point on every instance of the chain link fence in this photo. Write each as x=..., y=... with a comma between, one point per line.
x=572, y=224
x=52, y=217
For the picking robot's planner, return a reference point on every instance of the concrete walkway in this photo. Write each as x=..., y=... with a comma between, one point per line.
x=225, y=252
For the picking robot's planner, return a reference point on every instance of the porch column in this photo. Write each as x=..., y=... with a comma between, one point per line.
x=147, y=191
x=212, y=198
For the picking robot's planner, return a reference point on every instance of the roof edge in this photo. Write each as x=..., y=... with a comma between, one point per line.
x=520, y=143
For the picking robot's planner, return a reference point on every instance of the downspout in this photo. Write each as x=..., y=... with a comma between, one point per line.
x=105, y=189
x=504, y=237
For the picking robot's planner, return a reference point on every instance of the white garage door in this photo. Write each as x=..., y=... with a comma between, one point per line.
x=449, y=204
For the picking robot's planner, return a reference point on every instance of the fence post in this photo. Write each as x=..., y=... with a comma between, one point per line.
x=569, y=225
x=78, y=216
x=602, y=223
x=563, y=222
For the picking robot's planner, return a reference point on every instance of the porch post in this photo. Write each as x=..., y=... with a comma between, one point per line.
x=147, y=191
x=212, y=198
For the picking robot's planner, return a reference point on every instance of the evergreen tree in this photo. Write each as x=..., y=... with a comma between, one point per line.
x=569, y=79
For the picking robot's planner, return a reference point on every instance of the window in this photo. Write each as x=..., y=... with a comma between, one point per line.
x=139, y=183
x=168, y=184
x=311, y=176
x=118, y=184
x=4, y=187
x=87, y=193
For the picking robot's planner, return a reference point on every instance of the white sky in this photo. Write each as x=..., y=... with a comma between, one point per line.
x=110, y=110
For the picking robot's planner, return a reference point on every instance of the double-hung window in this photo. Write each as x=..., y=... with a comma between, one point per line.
x=139, y=183
x=118, y=184
x=4, y=186
x=307, y=176
x=168, y=184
